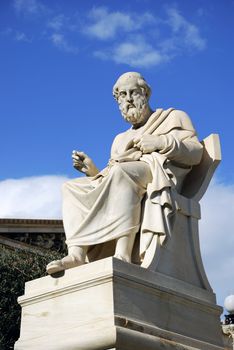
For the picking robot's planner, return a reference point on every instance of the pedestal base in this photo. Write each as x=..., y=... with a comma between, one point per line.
x=111, y=305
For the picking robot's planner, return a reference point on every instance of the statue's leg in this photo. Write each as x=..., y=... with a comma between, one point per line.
x=124, y=246
x=76, y=257
x=102, y=211
x=79, y=252
x=140, y=173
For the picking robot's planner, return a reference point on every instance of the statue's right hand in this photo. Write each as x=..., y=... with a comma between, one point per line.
x=84, y=164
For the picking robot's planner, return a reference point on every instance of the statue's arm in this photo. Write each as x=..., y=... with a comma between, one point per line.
x=84, y=163
x=183, y=147
x=177, y=142
x=115, y=145
x=181, y=143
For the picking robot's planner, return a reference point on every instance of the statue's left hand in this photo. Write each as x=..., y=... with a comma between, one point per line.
x=84, y=163
x=149, y=143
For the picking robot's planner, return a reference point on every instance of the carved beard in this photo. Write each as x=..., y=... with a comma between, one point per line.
x=134, y=113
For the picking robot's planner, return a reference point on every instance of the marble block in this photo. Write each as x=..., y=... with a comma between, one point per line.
x=110, y=304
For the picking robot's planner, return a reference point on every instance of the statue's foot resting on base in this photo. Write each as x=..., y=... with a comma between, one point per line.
x=76, y=257
x=77, y=254
x=65, y=263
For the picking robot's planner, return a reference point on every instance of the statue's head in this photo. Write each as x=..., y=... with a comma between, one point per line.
x=132, y=94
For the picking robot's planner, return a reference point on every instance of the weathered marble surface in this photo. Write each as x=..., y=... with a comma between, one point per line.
x=110, y=304
x=135, y=192
x=163, y=300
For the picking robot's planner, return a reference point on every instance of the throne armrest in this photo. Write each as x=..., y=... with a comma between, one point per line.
x=197, y=181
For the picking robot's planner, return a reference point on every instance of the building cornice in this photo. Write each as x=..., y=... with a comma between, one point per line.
x=30, y=222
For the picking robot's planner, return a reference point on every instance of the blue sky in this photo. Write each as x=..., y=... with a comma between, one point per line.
x=59, y=61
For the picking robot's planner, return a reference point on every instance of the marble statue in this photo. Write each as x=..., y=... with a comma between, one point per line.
x=135, y=193
x=142, y=208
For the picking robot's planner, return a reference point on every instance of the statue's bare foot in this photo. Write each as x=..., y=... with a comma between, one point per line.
x=65, y=263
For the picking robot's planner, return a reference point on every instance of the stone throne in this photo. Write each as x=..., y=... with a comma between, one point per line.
x=110, y=304
x=167, y=258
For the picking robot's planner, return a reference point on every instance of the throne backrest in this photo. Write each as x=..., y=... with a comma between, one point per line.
x=197, y=181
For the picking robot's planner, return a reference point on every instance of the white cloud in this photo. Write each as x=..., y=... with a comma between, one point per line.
x=29, y=7
x=40, y=197
x=135, y=39
x=57, y=22
x=20, y=36
x=58, y=25
x=187, y=32
x=32, y=197
x=136, y=53
x=61, y=43
x=138, y=47
x=217, y=238
x=106, y=24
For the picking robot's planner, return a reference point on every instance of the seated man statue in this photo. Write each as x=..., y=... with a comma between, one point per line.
x=134, y=193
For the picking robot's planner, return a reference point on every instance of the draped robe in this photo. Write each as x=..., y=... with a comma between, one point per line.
x=134, y=193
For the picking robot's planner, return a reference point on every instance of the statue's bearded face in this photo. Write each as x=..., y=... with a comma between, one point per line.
x=133, y=103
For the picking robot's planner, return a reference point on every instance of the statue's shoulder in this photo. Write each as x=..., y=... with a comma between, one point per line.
x=120, y=136
x=181, y=118
x=123, y=134
x=118, y=140
x=178, y=114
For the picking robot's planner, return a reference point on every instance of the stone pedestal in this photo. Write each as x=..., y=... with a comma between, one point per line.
x=109, y=304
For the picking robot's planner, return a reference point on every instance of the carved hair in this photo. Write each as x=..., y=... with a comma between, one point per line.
x=140, y=81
